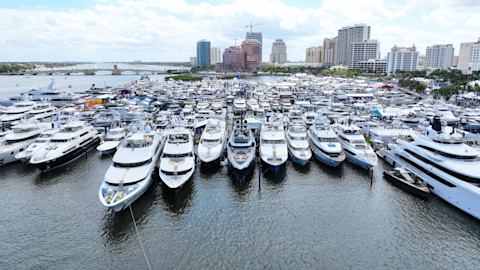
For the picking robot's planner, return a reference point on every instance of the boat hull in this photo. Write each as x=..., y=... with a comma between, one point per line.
x=298, y=160
x=405, y=186
x=327, y=160
x=67, y=158
x=360, y=163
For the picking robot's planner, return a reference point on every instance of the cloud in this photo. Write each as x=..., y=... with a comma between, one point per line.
x=167, y=30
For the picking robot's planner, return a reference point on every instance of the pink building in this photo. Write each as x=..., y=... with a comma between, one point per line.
x=233, y=59
x=252, y=49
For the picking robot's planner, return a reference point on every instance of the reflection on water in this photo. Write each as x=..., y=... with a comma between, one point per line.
x=276, y=179
x=118, y=226
x=300, y=169
x=178, y=200
x=241, y=186
x=333, y=172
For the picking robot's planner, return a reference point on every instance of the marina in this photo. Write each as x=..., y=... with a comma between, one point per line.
x=284, y=176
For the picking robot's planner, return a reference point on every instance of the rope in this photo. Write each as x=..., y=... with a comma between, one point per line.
x=140, y=240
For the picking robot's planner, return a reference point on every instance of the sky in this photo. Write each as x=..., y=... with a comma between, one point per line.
x=167, y=30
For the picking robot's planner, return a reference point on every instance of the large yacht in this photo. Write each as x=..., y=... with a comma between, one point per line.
x=324, y=142
x=450, y=167
x=16, y=112
x=130, y=175
x=177, y=162
x=40, y=142
x=273, y=145
x=357, y=151
x=297, y=143
x=212, y=142
x=241, y=147
x=73, y=140
x=19, y=139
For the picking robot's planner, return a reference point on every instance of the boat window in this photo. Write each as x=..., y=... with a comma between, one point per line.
x=209, y=141
x=165, y=155
x=323, y=139
x=448, y=171
x=130, y=165
x=273, y=141
x=300, y=148
x=427, y=172
x=70, y=129
x=298, y=138
x=178, y=138
x=447, y=154
x=7, y=142
x=45, y=135
x=136, y=143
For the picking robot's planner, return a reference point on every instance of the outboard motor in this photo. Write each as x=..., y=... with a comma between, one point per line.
x=436, y=124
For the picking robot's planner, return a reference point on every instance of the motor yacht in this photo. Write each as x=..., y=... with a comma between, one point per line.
x=241, y=147
x=19, y=139
x=450, y=168
x=113, y=137
x=273, y=145
x=212, y=142
x=38, y=144
x=324, y=142
x=297, y=143
x=72, y=141
x=357, y=151
x=130, y=174
x=177, y=162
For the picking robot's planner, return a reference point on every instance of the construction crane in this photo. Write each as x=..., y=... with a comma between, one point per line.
x=252, y=25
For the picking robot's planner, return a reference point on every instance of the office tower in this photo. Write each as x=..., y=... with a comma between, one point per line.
x=279, y=52
x=253, y=52
x=439, y=56
x=256, y=36
x=215, y=55
x=233, y=59
x=475, y=57
x=347, y=35
x=401, y=58
x=464, y=55
x=203, y=53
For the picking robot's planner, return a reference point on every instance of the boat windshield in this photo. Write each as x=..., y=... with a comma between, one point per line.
x=273, y=141
x=132, y=143
x=298, y=138
x=300, y=148
x=178, y=138
x=407, y=176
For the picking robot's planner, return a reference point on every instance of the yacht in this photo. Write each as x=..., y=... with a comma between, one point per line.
x=177, y=162
x=239, y=105
x=450, y=167
x=212, y=142
x=273, y=145
x=297, y=143
x=130, y=175
x=42, y=112
x=19, y=139
x=16, y=112
x=241, y=147
x=357, y=151
x=39, y=143
x=324, y=142
x=73, y=140
x=113, y=138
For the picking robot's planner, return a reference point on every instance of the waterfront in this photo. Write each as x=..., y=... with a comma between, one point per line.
x=300, y=217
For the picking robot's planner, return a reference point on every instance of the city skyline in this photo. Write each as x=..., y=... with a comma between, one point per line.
x=165, y=30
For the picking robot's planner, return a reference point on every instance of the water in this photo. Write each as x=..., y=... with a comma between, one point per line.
x=313, y=217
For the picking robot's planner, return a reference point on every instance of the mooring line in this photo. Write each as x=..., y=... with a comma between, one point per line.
x=140, y=240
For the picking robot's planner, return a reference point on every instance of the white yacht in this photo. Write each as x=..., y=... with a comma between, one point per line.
x=42, y=112
x=16, y=112
x=297, y=143
x=212, y=142
x=73, y=140
x=241, y=147
x=19, y=139
x=239, y=105
x=273, y=145
x=38, y=144
x=130, y=175
x=113, y=138
x=357, y=151
x=324, y=142
x=450, y=168
x=177, y=162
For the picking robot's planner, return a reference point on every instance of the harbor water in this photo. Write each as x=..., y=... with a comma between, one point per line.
x=312, y=217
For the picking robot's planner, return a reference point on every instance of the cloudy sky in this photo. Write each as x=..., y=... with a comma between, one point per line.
x=167, y=30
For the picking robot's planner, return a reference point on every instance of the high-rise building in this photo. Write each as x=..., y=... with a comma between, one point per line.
x=439, y=56
x=215, y=55
x=193, y=61
x=362, y=51
x=464, y=55
x=329, y=51
x=233, y=59
x=401, y=58
x=314, y=55
x=203, y=53
x=347, y=35
x=256, y=36
x=253, y=52
x=279, y=52
x=475, y=57
x=373, y=65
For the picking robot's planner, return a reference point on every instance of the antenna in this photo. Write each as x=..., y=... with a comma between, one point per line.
x=251, y=25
